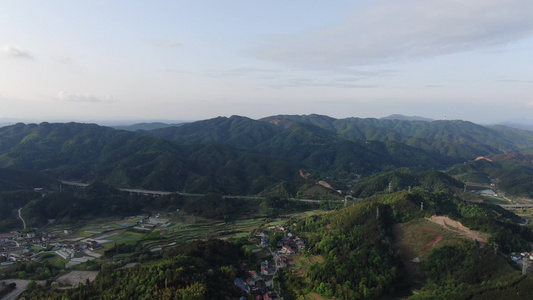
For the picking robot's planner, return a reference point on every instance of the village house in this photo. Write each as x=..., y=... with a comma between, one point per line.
x=264, y=242
x=287, y=249
x=250, y=282
x=93, y=245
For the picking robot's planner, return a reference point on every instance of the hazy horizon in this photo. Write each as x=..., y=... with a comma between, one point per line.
x=127, y=122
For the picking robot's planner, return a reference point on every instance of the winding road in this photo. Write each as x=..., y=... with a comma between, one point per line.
x=20, y=216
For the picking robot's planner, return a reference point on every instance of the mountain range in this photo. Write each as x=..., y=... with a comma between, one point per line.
x=239, y=155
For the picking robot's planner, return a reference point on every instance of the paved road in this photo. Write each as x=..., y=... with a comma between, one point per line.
x=161, y=193
x=21, y=287
x=20, y=216
x=516, y=205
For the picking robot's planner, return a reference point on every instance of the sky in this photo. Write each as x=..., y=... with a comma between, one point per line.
x=192, y=60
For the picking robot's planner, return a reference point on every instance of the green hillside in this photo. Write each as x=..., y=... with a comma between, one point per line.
x=13, y=179
x=361, y=259
x=511, y=173
x=319, y=149
x=87, y=152
x=455, y=138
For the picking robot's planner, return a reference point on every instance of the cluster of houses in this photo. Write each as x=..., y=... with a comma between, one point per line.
x=146, y=225
x=77, y=252
x=260, y=284
x=257, y=286
x=18, y=247
x=290, y=244
x=525, y=256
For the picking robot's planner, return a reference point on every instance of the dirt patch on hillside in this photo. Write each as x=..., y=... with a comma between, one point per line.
x=316, y=258
x=457, y=227
x=414, y=239
x=75, y=277
x=313, y=296
x=438, y=238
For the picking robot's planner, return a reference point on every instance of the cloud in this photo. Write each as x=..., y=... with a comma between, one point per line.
x=316, y=82
x=392, y=31
x=16, y=52
x=84, y=98
x=242, y=72
x=514, y=81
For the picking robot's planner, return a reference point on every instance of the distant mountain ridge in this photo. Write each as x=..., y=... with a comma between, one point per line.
x=460, y=139
x=239, y=155
x=145, y=126
x=406, y=118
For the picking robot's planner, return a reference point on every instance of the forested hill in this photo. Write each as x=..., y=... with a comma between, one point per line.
x=12, y=180
x=455, y=135
x=458, y=139
x=317, y=148
x=353, y=145
x=239, y=155
x=87, y=152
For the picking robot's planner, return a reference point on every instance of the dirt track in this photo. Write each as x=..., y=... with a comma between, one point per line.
x=455, y=226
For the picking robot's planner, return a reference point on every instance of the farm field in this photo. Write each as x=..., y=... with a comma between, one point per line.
x=180, y=227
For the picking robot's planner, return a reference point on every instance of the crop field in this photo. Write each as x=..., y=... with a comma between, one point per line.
x=126, y=237
x=181, y=227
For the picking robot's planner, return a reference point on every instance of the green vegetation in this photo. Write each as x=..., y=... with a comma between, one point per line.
x=197, y=270
x=358, y=263
x=466, y=271
x=97, y=199
x=247, y=174
x=214, y=206
x=86, y=152
x=10, y=202
x=12, y=180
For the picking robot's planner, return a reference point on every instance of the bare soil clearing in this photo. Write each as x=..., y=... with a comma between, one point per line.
x=455, y=226
x=414, y=239
x=75, y=277
x=314, y=296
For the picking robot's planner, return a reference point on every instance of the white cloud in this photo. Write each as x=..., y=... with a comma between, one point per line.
x=16, y=52
x=84, y=98
x=391, y=31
